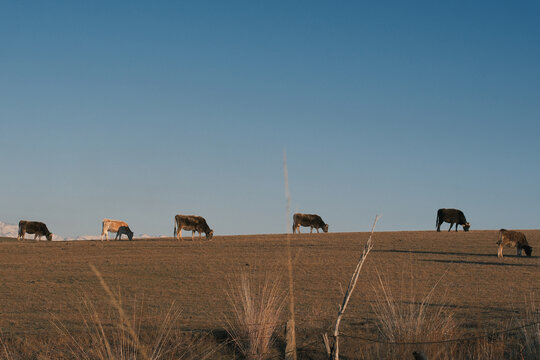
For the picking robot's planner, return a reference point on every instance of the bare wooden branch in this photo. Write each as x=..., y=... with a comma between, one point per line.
x=326, y=344
x=352, y=284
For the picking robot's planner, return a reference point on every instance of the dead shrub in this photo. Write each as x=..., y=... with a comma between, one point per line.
x=256, y=313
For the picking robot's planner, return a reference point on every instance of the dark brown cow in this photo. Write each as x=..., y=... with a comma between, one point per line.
x=124, y=230
x=37, y=228
x=191, y=223
x=513, y=239
x=311, y=220
x=452, y=216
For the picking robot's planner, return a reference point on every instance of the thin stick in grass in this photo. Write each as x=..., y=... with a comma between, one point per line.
x=123, y=317
x=352, y=284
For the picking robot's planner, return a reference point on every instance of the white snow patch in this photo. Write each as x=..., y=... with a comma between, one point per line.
x=10, y=230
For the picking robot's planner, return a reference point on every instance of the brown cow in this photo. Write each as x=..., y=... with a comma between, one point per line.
x=193, y=223
x=452, y=216
x=311, y=220
x=513, y=239
x=112, y=226
x=37, y=228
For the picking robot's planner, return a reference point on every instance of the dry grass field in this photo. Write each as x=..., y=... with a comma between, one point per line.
x=44, y=286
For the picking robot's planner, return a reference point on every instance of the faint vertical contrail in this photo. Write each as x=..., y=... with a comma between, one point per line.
x=287, y=193
x=290, y=350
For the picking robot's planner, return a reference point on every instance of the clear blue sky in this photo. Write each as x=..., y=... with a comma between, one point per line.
x=143, y=110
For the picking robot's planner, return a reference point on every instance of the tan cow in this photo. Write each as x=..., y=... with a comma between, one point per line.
x=112, y=226
x=513, y=239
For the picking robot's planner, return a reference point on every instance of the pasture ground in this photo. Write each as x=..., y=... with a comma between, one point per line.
x=45, y=282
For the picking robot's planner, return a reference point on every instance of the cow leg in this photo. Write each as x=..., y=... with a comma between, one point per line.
x=104, y=231
x=500, y=252
x=192, y=234
x=317, y=230
x=299, y=229
x=451, y=224
x=518, y=250
x=180, y=232
x=311, y=229
x=439, y=227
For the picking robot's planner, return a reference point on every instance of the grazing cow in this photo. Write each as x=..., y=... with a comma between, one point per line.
x=112, y=226
x=452, y=216
x=191, y=223
x=513, y=239
x=37, y=228
x=124, y=230
x=311, y=220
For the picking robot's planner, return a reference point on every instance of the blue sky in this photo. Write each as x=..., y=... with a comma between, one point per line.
x=140, y=111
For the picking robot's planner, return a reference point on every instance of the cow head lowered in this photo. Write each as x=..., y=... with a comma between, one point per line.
x=129, y=234
x=124, y=230
x=325, y=228
x=209, y=234
x=528, y=250
x=49, y=236
x=466, y=226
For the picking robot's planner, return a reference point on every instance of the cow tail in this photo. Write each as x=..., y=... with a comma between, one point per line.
x=437, y=219
x=174, y=234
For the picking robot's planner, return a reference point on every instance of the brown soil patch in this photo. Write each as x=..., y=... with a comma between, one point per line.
x=44, y=280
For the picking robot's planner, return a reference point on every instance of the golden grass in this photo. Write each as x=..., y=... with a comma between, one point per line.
x=410, y=318
x=5, y=354
x=531, y=334
x=256, y=314
x=124, y=341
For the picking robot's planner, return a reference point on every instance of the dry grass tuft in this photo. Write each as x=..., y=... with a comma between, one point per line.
x=412, y=319
x=256, y=313
x=531, y=329
x=5, y=354
x=122, y=341
x=486, y=349
x=125, y=340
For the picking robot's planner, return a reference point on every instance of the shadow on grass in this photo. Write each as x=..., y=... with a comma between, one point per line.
x=477, y=262
x=486, y=309
x=494, y=255
x=221, y=336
